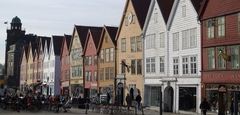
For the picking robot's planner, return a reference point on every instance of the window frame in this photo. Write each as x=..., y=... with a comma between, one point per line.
x=162, y=64
x=123, y=45
x=176, y=41
x=176, y=66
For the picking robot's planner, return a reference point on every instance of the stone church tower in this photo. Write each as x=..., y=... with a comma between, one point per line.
x=14, y=43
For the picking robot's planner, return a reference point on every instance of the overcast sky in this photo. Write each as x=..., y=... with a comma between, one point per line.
x=57, y=17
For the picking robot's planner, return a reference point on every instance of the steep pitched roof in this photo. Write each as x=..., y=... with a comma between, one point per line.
x=82, y=32
x=26, y=48
x=141, y=8
x=57, y=44
x=43, y=40
x=165, y=7
x=112, y=31
x=68, y=39
x=95, y=32
x=197, y=5
x=48, y=44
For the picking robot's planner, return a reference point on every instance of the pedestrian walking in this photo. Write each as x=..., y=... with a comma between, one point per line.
x=129, y=101
x=138, y=100
x=204, y=106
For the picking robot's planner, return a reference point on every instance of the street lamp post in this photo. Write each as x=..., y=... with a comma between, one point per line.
x=160, y=103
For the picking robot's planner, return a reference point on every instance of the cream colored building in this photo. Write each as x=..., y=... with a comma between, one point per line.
x=106, y=60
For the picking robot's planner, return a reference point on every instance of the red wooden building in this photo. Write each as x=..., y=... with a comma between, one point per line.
x=220, y=32
x=65, y=65
x=90, y=61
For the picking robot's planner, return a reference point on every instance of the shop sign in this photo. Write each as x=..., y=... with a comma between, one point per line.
x=222, y=89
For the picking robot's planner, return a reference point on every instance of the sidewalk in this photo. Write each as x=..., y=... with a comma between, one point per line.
x=146, y=112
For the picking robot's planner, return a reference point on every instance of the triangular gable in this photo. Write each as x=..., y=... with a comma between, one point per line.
x=23, y=55
x=95, y=34
x=140, y=7
x=111, y=32
x=30, y=52
x=66, y=41
x=174, y=9
x=165, y=9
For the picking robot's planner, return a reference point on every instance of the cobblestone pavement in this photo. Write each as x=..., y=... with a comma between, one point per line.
x=76, y=111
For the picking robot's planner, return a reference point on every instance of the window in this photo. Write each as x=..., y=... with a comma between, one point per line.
x=139, y=66
x=102, y=74
x=111, y=54
x=234, y=57
x=133, y=44
x=185, y=39
x=95, y=76
x=155, y=17
x=162, y=64
x=150, y=64
x=184, y=11
x=185, y=65
x=102, y=56
x=123, y=45
x=193, y=64
x=162, y=43
x=176, y=41
x=193, y=38
x=107, y=73
x=238, y=23
x=221, y=63
x=87, y=76
x=90, y=60
x=189, y=38
x=221, y=26
x=76, y=71
x=133, y=66
x=211, y=58
x=150, y=41
x=95, y=60
x=210, y=28
x=139, y=43
x=107, y=55
x=111, y=73
x=175, y=66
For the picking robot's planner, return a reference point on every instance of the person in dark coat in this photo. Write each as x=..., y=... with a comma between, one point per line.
x=129, y=101
x=204, y=106
x=138, y=100
x=232, y=107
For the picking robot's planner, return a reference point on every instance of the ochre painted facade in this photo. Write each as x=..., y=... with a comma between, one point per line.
x=106, y=62
x=129, y=28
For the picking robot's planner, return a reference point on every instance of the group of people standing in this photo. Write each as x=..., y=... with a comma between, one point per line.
x=130, y=99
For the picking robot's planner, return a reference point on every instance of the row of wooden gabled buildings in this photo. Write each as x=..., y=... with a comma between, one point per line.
x=59, y=63
x=185, y=50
